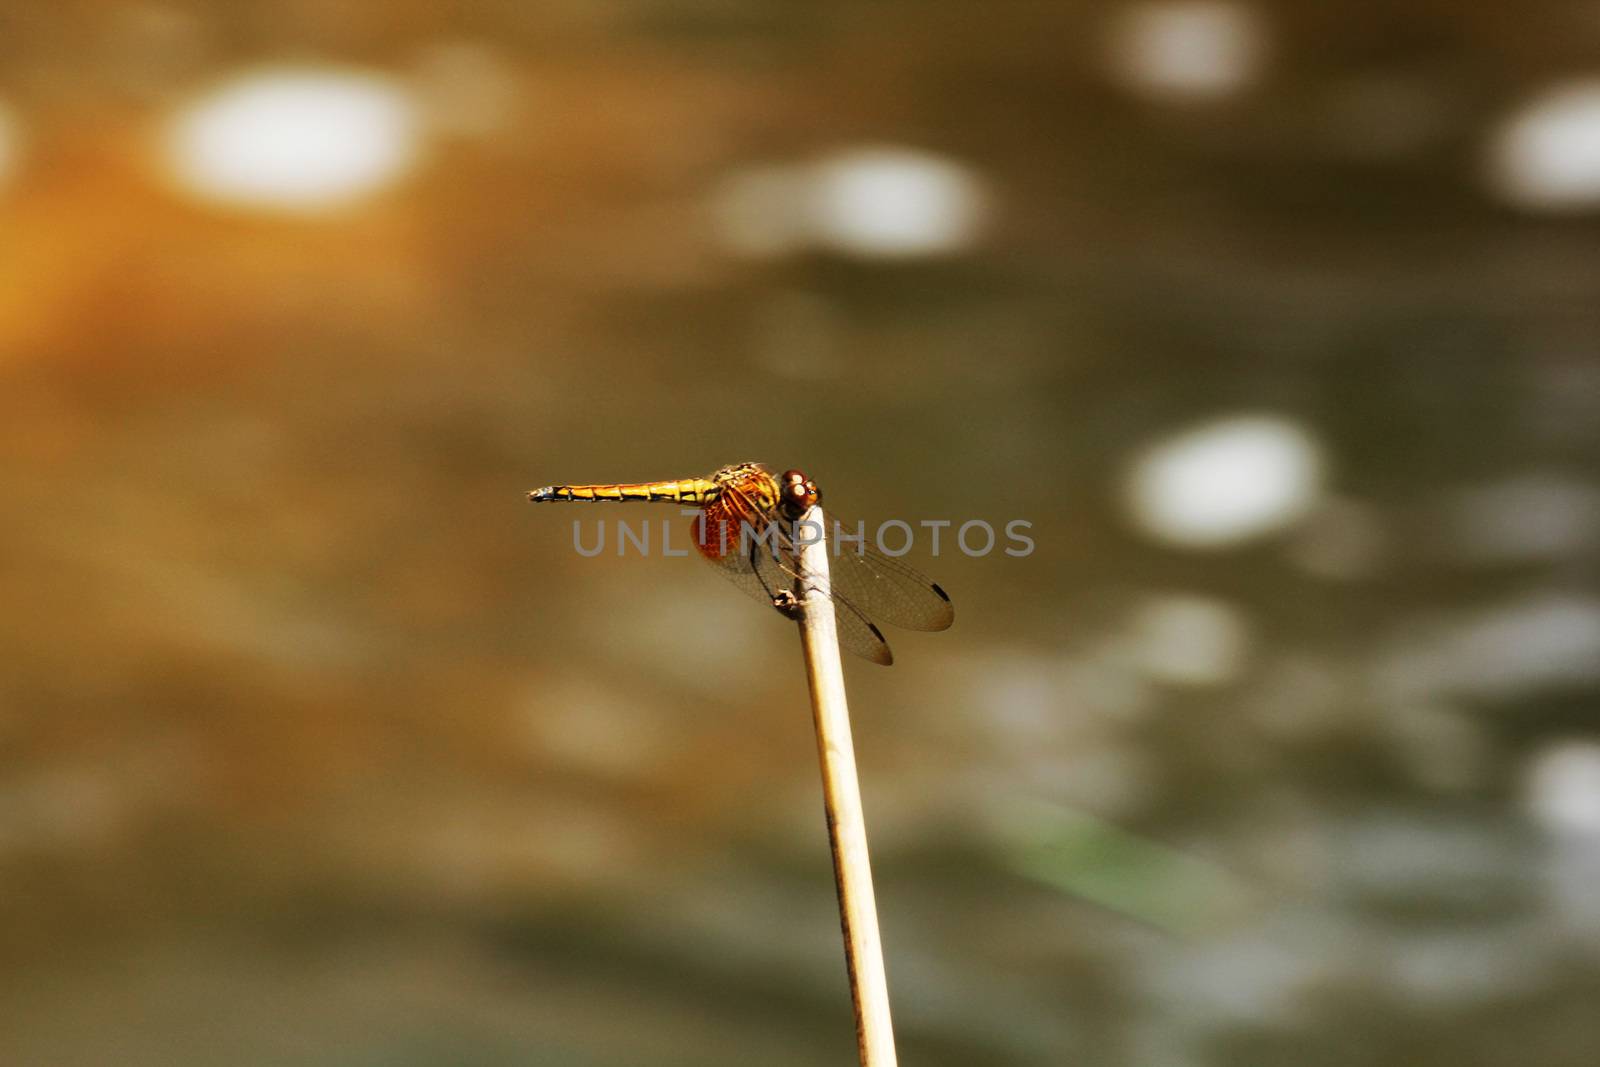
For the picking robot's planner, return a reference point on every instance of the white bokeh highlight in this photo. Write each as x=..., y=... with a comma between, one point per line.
x=1544, y=640
x=1536, y=641
x=1200, y=49
x=295, y=139
x=871, y=202
x=1546, y=156
x=895, y=202
x=1531, y=517
x=1226, y=482
x=1563, y=787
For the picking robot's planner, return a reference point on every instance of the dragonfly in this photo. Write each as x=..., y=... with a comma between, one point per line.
x=747, y=522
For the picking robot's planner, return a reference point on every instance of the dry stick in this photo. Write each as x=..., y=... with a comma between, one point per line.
x=841, y=794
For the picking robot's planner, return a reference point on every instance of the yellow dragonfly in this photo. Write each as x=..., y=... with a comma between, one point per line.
x=747, y=525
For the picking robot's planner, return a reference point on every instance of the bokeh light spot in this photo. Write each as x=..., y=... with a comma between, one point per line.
x=295, y=139
x=1530, y=517
x=1546, y=157
x=892, y=202
x=1542, y=640
x=1190, y=640
x=1187, y=48
x=869, y=202
x=1564, y=787
x=1226, y=482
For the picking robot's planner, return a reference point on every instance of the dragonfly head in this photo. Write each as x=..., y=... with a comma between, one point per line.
x=797, y=493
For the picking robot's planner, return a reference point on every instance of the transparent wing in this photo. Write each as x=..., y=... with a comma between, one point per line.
x=859, y=635
x=766, y=572
x=883, y=587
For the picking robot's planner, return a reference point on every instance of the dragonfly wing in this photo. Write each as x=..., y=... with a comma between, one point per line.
x=883, y=587
x=859, y=635
x=759, y=574
x=766, y=572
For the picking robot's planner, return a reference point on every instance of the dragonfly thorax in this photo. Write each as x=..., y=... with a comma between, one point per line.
x=747, y=503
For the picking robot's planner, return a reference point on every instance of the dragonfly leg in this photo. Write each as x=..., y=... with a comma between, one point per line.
x=788, y=605
x=785, y=601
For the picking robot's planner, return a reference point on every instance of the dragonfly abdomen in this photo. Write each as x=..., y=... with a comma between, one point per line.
x=697, y=491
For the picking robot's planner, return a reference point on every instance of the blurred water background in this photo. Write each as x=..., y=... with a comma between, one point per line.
x=1276, y=320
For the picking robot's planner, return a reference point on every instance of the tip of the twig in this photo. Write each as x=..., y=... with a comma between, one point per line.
x=537, y=495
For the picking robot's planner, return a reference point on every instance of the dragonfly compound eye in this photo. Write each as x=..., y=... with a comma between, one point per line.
x=798, y=491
